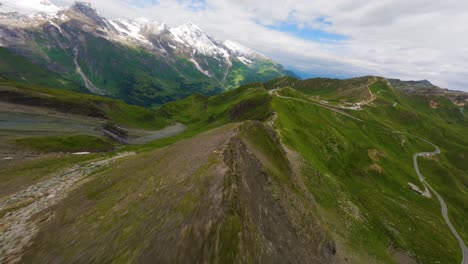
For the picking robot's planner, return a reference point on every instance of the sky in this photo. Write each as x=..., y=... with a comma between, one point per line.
x=405, y=39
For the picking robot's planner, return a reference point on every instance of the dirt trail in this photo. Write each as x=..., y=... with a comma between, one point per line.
x=372, y=95
x=334, y=109
x=17, y=223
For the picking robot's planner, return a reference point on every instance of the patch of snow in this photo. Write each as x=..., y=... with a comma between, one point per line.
x=151, y=27
x=129, y=28
x=238, y=48
x=57, y=26
x=62, y=17
x=245, y=61
x=207, y=73
x=8, y=158
x=81, y=153
x=242, y=51
x=192, y=36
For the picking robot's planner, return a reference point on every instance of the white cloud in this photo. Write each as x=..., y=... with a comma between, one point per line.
x=417, y=39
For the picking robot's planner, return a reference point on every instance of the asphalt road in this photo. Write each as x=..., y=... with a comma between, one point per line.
x=443, y=205
x=427, y=187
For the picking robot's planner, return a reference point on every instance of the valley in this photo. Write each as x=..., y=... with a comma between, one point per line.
x=133, y=140
x=252, y=130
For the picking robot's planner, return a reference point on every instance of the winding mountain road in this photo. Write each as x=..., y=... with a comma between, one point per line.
x=426, y=185
x=443, y=205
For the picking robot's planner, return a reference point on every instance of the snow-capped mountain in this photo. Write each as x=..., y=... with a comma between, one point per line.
x=38, y=30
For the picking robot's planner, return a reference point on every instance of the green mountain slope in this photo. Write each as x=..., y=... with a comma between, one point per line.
x=81, y=50
x=71, y=102
x=267, y=172
x=359, y=174
x=20, y=69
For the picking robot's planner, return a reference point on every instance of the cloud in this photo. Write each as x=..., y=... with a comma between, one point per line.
x=418, y=39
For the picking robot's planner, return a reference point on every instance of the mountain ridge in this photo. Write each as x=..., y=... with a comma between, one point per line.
x=168, y=63
x=262, y=173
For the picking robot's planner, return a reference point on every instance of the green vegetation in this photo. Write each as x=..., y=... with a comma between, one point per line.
x=66, y=144
x=81, y=104
x=20, y=69
x=210, y=192
x=350, y=90
x=263, y=140
x=133, y=74
x=360, y=179
x=16, y=176
x=201, y=113
x=260, y=71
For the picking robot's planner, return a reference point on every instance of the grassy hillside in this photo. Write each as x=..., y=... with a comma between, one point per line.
x=81, y=104
x=361, y=181
x=262, y=177
x=218, y=202
x=20, y=69
x=66, y=144
x=350, y=90
x=359, y=172
x=202, y=113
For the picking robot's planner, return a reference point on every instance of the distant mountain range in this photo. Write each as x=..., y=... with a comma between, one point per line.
x=142, y=62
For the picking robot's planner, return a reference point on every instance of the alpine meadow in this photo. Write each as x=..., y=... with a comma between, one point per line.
x=322, y=138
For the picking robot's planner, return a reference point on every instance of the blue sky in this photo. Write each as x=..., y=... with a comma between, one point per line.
x=418, y=39
x=307, y=33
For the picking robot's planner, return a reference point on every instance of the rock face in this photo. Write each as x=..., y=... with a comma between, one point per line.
x=427, y=89
x=143, y=62
x=115, y=132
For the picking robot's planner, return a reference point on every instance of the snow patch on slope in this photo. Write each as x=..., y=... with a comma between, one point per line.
x=242, y=53
x=57, y=26
x=245, y=61
x=129, y=28
x=207, y=73
x=238, y=48
x=151, y=27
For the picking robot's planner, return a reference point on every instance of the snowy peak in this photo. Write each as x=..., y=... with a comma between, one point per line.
x=28, y=6
x=150, y=28
x=85, y=12
x=187, y=40
x=242, y=53
x=192, y=36
x=238, y=48
x=127, y=27
x=84, y=7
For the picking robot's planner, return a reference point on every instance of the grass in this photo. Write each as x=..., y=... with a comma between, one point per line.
x=363, y=198
x=373, y=211
x=82, y=104
x=20, y=69
x=15, y=176
x=334, y=90
x=127, y=72
x=76, y=143
x=263, y=140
